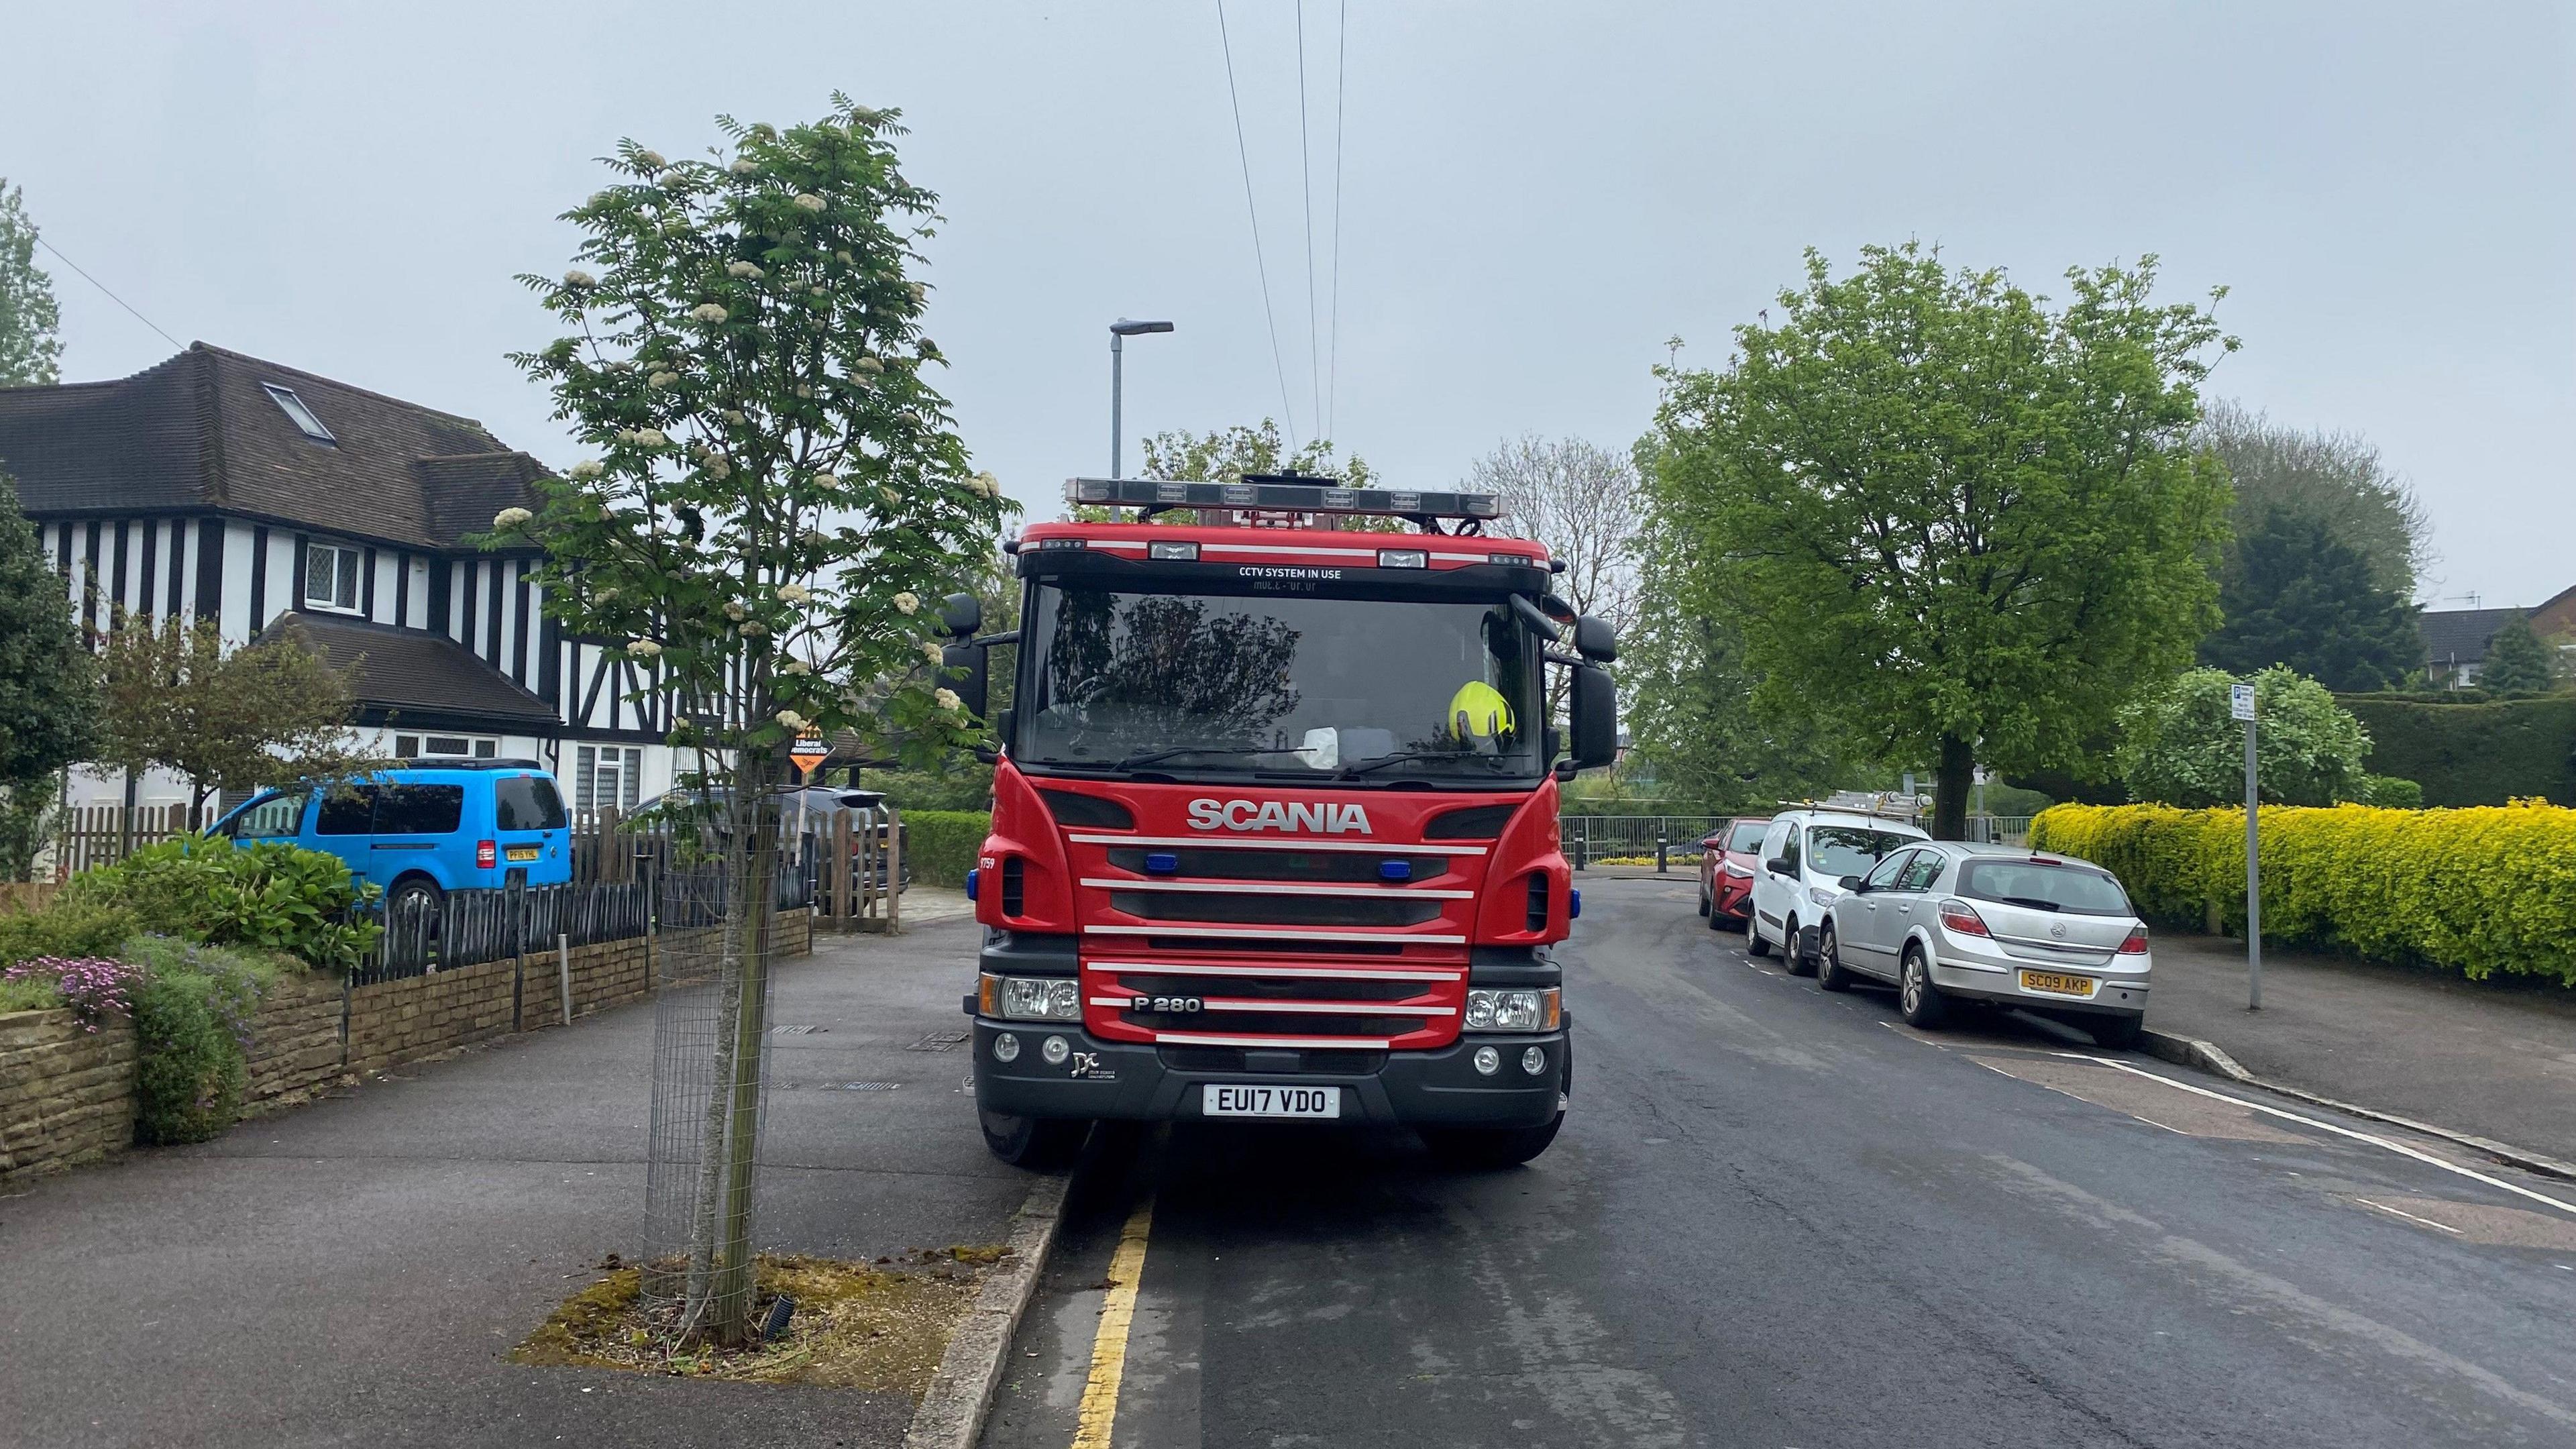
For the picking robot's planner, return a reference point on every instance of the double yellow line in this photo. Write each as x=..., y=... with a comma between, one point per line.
x=1099, y=1412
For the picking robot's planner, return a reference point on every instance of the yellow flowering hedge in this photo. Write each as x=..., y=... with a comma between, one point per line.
x=2485, y=889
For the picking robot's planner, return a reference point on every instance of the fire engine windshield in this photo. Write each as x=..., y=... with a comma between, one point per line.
x=1372, y=689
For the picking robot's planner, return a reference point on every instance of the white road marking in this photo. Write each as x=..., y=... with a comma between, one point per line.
x=2410, y=1217
x=2400, y=1148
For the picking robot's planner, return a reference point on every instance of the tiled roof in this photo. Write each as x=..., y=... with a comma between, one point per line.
x=2459, y=636
x=198, y=432
x=413, y=671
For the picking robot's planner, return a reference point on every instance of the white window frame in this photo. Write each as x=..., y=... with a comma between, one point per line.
x=347, y=564
x=417, y=746
x=591, y=762
x=299, y=412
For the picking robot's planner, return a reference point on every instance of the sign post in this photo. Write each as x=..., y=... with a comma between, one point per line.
x=2240, y=704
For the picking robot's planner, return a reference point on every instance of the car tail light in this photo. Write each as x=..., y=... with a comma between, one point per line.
x=487, y=854
x=2136, y=944
x=1961, y=917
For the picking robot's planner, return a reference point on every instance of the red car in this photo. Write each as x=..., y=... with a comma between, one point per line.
x=1727, y=860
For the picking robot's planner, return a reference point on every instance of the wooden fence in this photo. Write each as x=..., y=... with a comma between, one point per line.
x=104, y=834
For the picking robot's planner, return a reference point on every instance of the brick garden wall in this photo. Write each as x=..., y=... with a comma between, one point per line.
x=66, y=1094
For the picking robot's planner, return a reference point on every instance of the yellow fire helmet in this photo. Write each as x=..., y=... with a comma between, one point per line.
x=1479, y=709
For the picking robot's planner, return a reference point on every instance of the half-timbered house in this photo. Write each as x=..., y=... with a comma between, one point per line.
x=220, y=486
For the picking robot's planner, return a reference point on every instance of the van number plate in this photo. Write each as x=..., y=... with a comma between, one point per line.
x=521, y=852
x=1232, y=1101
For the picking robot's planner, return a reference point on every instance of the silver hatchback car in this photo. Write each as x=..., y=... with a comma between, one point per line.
x=2048, y=933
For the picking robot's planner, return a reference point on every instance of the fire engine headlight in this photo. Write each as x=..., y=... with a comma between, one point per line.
x=1006, y=1048
x=1055, y=1049
x=1514, y=1010
x=1032, y=998
x=1488, y=1061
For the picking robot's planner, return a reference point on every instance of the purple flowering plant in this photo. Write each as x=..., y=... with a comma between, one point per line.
x=95, y=989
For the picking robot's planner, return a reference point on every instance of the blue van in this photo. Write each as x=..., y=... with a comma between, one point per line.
x=426, y=828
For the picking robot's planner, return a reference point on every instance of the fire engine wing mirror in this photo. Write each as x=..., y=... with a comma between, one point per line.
x=1594, y=641
x=963, y=666
x=961, y=615
x=1539, y=623
x=1595, y=717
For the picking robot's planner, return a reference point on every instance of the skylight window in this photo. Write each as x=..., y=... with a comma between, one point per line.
x=297, y=413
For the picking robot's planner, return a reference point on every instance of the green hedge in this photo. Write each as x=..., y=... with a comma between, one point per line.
x=267, y=895
x=2481, y=753
x=2484, y=890
x=940, y=845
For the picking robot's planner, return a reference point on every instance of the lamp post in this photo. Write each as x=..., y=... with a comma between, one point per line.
x=1119, y=332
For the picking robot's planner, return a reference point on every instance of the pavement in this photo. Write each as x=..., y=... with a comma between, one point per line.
x=1777, y=1216
x=354, y=1272
x=2494, y=1058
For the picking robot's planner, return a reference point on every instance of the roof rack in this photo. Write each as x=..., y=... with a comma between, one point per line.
x=1280, y=493
x=1876, y=805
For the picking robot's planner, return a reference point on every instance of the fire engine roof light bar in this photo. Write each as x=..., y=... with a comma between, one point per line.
x=1280, y=497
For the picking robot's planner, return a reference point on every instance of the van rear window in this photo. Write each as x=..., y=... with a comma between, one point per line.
x=526, y=802
x=2077, y=890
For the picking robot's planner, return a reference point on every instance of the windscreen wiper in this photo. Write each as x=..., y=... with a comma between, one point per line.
x=1491, y=762
x=1147, y=757
x=2033, y=902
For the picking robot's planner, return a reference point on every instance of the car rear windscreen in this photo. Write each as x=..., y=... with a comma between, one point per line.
x=526, y=802
x=2074, y=889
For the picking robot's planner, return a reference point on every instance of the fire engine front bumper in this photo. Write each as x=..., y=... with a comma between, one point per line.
x=1125, y=1081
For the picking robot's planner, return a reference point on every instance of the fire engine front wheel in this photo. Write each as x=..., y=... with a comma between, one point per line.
x=1041, y=1144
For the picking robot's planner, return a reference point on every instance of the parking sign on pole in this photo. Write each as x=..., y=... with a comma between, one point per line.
x=2240, y=704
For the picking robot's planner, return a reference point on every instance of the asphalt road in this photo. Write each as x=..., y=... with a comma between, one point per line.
x=1778, y=1217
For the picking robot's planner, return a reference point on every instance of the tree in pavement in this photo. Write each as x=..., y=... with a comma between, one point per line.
x=2180, y=745
x=175, y=696
x=29, y=350
x=48, y=686
x=2294, y=594
x=777, y=488
x=1585, y=503
x=1959, y=524
x=2517, y=662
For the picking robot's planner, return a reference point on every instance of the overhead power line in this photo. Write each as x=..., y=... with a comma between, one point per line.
x=1253, y=212
x=1333, y=366
x=111, y=296
x=1306, y=192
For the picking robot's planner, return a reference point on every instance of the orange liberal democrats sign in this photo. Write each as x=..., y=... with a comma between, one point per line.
x=810, y=751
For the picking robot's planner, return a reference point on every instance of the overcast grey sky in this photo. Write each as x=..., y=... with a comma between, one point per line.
x=1533, y=197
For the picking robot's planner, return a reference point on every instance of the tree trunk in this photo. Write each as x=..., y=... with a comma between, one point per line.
x=1955, y=776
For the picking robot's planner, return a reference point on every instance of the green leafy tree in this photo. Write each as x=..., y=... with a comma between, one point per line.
x=2336, y=480
x=48, y=681
x=2294, y=594
x=776, y=490
x=1956, y=525
x=1689, y=694
x=30, y=352
x=176, y=696
x=1223, y=455
x=2181, y=746
x=2516, y=661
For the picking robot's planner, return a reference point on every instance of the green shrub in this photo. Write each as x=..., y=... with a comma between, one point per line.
x=941, y=845
x=267, y=894
x=190, y=1070
x=29, y=993
x=68, y=927
x=2473, y=750
x=2483, y=890
x=2389, y=793
x=2179, y=746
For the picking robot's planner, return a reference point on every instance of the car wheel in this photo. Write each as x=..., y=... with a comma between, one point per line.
x=1754, y=945
x=2117, y=1033
x=1921, y=1001
x=1799, y=965
x=1703, y=904
x=1040, y=1144
x=1829, y=966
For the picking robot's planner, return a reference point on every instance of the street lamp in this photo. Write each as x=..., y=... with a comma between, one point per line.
x=1119, y=332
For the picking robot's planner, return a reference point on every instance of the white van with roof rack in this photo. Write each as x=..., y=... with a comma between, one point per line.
x=1799, y=871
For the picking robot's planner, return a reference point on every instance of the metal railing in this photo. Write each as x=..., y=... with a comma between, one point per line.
x=469, y=927
x=1636, y=839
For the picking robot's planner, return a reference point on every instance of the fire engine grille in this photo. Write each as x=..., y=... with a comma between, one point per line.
x=1278, y=1023
x=1390, y=909
x=1270, y=988
x=1317, y=866
x=1204, y=945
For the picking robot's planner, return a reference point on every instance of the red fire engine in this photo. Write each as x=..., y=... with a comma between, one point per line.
x=1275, y=820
